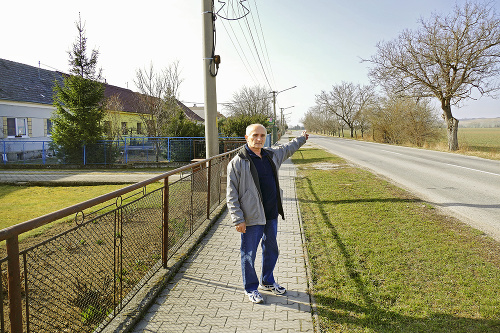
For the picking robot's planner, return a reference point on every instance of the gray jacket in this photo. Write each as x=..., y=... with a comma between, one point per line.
x=243, y=197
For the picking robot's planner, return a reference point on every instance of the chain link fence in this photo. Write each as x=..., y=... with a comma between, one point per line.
x=111, y=152
x=79, y=279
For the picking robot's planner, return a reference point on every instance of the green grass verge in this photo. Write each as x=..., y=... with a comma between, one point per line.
x=384, y=261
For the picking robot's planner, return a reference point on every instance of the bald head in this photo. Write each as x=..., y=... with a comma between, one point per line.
x=253, y=127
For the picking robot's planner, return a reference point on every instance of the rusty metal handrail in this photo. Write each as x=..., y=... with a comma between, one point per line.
x=37, y=222
x=10, y=234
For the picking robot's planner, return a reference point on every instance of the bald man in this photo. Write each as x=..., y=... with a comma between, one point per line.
x=254, y=202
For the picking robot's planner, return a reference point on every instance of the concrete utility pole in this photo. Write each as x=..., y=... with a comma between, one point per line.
x=211, y=131
x=275, y=130
x=282, y=122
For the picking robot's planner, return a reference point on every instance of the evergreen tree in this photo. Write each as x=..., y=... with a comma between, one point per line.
x=79, y=103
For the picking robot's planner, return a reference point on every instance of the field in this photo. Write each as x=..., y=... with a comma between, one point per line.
x=480, y=142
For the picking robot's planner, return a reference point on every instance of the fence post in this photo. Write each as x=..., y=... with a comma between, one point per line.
x=125, y=151
x=43, y=152
x=209, y=187
x=15, y=304
x=165, y=223
x=84, y=155
x=4, y=154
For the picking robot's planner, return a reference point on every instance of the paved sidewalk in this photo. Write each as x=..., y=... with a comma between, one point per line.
x=207, y=295
x=77, y=177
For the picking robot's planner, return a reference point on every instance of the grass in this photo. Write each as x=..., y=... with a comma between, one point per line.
x=22, y=203
x=479, y=142
x=384, y=261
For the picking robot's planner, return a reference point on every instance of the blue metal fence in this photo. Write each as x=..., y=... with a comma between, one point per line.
x=126, y=151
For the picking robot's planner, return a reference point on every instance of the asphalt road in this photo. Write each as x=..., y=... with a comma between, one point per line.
x=465, y=187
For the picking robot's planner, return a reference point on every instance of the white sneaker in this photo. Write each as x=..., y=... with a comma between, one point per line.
x=275, y=288
x=255, y=297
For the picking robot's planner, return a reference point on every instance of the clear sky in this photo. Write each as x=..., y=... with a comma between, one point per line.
x=309, y=44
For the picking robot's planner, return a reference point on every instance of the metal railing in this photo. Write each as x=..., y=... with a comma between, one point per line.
x=78, y=279
x=108, y=152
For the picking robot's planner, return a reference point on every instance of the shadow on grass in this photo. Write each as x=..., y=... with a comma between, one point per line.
x=380, y=320
x=373, y=316
x=8, y=189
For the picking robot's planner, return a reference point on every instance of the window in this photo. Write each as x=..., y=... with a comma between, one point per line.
x=124, y=128
x=49, y=127
x=139, y=128
x=17, y=127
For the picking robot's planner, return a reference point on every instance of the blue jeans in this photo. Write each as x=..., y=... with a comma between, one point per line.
x=249, y=243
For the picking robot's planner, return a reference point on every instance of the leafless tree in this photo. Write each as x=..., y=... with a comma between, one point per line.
x=347, y=101
x=157, y=98
x=250, y=101
x=447, y=58
x=398, y=119
x=316, y=120
x=158, y=93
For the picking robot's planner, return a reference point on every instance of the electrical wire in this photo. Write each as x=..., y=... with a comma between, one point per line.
x=255, y=44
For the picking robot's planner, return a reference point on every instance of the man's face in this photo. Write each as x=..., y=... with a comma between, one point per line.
x=256, y=138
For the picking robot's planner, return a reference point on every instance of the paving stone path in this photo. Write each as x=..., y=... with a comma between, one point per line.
x=207, y=295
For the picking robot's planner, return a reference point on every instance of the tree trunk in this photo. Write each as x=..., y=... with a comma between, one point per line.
x=451, y=126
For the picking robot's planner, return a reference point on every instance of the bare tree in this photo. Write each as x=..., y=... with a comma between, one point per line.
x=158, y=94
x=398, y=119
x=447, y=58
x=157, y=98
x=250, y=101
x=347, y=101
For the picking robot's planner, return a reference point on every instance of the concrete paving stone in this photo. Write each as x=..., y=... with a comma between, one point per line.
x=219, y=304
x=287, y=325
x=171, y=317
x=190, y=319
x=246, y=330
x=229, y=313
x=205, y=311
x=289, y=307
x=181, y=309
x=282, y=315
x=260, y=324
x=220, y=329
x=241, y=323
x=211, y=321
x=197, y=329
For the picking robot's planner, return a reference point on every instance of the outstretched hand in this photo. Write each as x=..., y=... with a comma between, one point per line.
x=304, y=133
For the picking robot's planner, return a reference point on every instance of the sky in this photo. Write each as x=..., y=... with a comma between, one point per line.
x=308, y=44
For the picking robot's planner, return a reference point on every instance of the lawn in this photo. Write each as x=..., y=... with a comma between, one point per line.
x=384, y=261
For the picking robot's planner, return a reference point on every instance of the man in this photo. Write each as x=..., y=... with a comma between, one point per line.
x=254, y=202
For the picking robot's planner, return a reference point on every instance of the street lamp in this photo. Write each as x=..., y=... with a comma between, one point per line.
x=282, y=123
x=275, y=132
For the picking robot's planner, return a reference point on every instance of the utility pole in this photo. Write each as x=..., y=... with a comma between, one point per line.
x=282, y=123
x=211, y=131
x=275, y=130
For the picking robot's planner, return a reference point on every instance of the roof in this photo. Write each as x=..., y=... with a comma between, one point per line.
x=189, y=113
x=127, y=97
x=25, y=83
